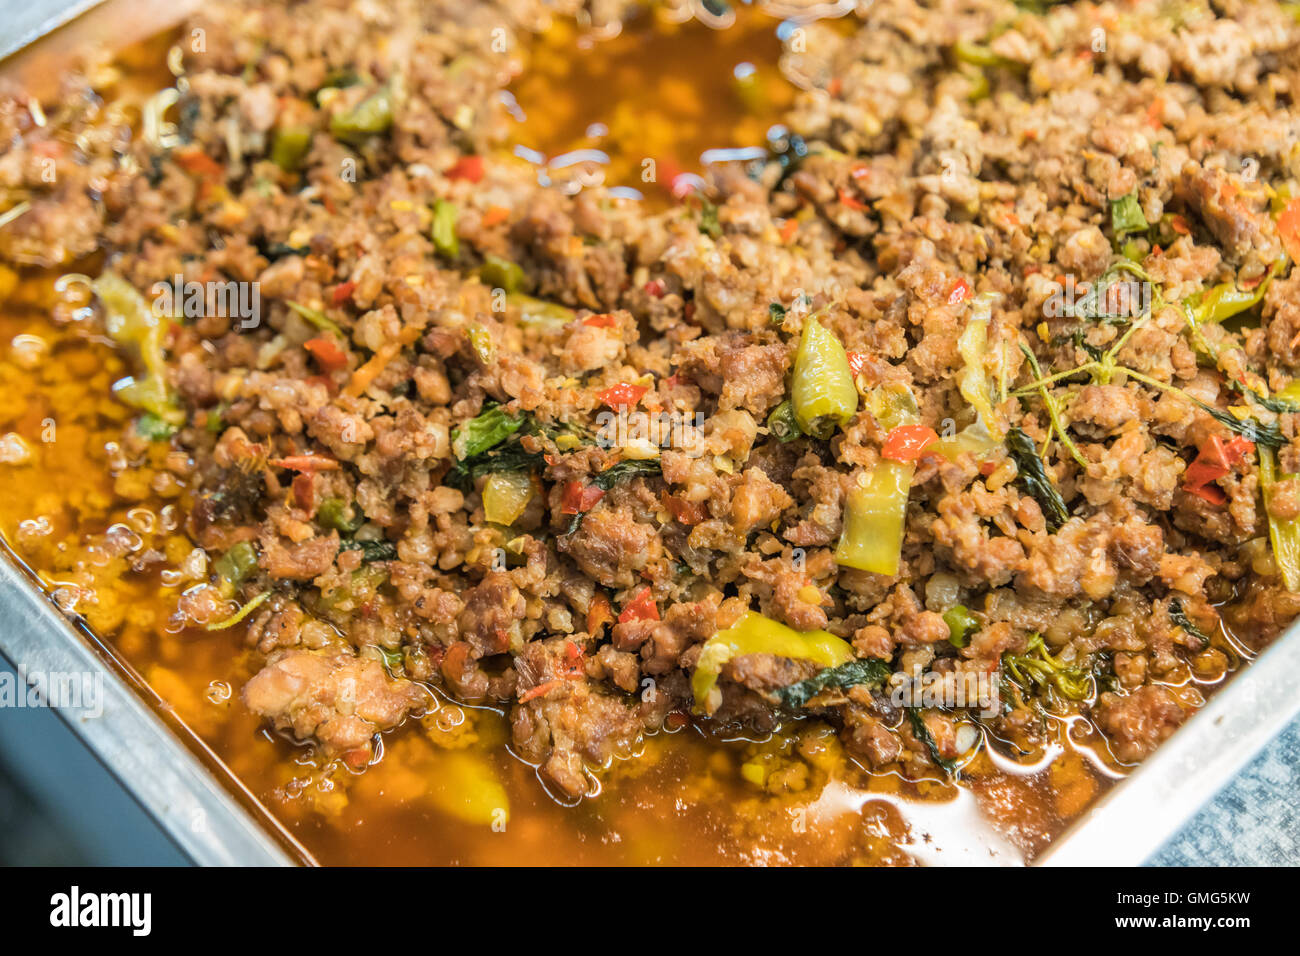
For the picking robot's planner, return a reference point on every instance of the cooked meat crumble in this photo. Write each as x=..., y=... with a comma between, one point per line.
x=985, y=372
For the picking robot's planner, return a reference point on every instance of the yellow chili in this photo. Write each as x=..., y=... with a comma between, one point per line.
x=821, y=387
x=756, y=634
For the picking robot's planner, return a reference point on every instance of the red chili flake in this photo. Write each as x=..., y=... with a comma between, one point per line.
x=1288, y=228
x=640, y=608
x=305, y=463
x=494, y=216
x=540, y=690
x=689, y=513
x=656, y=288
x=1214, y=461
x=622, y=395
x=857, y=362
x=193, y=160
x=959, y=291
x=1155, y=111
x=847, y=199
x=579, y=498
x=603, y=321
x=327, y=353
x=469, y=168
x=342, y=291
x=1179, y=225
x=573, y=667
x=599, y=613
x=907, y=442
x=834, y=87
x=789, y=229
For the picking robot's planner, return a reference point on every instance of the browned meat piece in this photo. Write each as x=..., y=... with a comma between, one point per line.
x=1137, y=723
x=337, y=698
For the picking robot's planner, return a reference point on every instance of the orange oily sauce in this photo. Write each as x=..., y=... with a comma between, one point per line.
x=104, y=530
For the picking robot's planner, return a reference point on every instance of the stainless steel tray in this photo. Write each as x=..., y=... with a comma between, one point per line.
x=198, y=811
x=131, y=739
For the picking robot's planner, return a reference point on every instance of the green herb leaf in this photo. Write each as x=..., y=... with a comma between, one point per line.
x=1179, y=616
x=486, y=430
x=1036, y=669
x=1031, y=476
x=868, y=670
x=1126, y=215
x=709, y=224
x=625, y=471
x=1253, y=429
x=371, y=550
x=316, y=317
x=152, y=427
x=923, y=734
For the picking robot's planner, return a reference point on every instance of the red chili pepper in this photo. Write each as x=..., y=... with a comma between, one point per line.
x=1214, y=461
x=1179, y=225
x=541, y=689
x=494, y=216
x=599, y=614
x=1288, y=227
x=857, y=362
x=640, y=608
x=907, y=442
x=684, y=512
x=342, y=291
x=573, y=662
x=579, y=498
x=469, y=168
x=655, y=288
x=847, y=199
x=602, y=321
x=789, y=229
x=959, y=291
x=1155, y=111
x=192, y=160
x=327, y=353
x=306, y=463
x=623, y=395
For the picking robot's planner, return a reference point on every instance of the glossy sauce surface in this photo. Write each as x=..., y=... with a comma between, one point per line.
x=104, y=534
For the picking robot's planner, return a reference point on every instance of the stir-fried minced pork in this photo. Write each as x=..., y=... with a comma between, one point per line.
x=1020, y=279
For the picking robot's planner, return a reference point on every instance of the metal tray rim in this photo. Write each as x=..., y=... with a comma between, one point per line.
x=130, y=739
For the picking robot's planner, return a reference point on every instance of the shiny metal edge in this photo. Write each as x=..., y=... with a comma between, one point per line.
x=1129, y=824
x=26, y=21
x=133, y=742
x=1141, y=813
